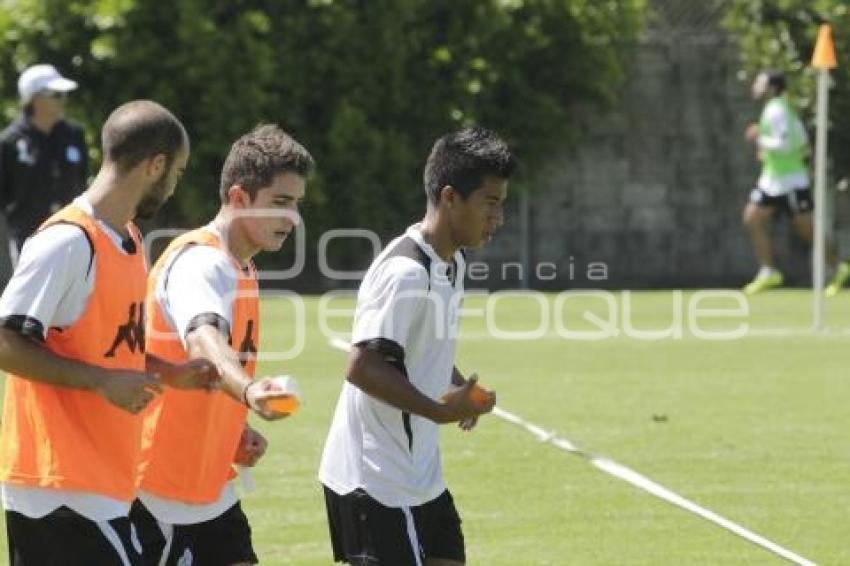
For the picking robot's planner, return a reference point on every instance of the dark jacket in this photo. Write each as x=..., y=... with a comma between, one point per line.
x=39, y=170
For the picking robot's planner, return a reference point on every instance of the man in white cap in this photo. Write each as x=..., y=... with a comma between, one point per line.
x=43, y=156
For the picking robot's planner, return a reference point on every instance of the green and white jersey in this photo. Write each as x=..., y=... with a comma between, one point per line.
x=782, y=144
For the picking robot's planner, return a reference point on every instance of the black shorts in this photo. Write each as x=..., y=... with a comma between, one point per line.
x=222, y=541
x=367, y=533
x=798, y=201
x=66, y=538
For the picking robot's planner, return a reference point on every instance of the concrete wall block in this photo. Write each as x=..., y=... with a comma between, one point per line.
x=600, y=219
x=649, y=219
x=690, y=194
x=645, y=255
x=592, y=246
x=692, y=221
x=597, y=189
x=691, y=246
x=645, y=194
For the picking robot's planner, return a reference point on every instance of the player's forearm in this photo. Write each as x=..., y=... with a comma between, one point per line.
x=206, y=342
x=154, y=364
x=188, y=375
x=381, y=380
x=25, y=357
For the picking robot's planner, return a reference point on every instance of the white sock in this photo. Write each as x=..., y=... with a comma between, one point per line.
x=766, y=271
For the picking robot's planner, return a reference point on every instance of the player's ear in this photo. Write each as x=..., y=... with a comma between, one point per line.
x=155, y=166
x=238, y=197
x=448, y=196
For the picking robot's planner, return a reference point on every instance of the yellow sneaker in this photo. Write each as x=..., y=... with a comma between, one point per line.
x=842, y=274
x=763, y=283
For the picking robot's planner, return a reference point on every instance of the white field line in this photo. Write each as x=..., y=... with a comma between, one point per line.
x=634, y=478
x=790, y=332
x=640, y=481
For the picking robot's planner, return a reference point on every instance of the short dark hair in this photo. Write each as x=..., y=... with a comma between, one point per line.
x=776, y=80
x=139, y=130
x=260, y=155
x=463, y=159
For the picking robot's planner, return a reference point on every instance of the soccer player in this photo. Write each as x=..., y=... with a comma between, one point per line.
x=204, y=304
x=783, y=186
x=386, y=500
x=71, y=428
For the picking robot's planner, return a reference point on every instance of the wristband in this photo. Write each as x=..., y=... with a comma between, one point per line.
x=245, y=394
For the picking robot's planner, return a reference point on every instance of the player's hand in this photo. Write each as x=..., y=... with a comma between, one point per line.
x=129, y=390
x=468, y=424
x=252, y=446
x=194, y=374
x=752, y=132
x=466, y=402
x=259, y=395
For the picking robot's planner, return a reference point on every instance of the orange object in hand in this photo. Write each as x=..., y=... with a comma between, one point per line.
x=286, y=404
x=285, y=398
x=480, y=396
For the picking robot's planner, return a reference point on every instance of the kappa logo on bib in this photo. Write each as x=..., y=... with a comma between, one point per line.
x=247, y=349
x=187, y=559
x=131, y=333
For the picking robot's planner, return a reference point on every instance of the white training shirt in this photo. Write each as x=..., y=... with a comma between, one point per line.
x=780, y=125
x=52, y=284
x=197, y=280
x=416, y=307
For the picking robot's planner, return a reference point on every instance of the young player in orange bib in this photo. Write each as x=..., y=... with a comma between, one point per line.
x=204, y=303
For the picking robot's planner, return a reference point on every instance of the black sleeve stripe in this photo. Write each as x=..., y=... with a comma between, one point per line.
x=88, y=239
x=391, y=350
x=24, y=325
x=209, y=319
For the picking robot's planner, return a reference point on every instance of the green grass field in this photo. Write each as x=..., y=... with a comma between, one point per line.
x=755, y=430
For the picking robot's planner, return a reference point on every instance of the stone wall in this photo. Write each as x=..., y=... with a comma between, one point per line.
x=656, y=187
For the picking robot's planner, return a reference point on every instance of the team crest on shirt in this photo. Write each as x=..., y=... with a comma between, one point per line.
x=73, y=154
x=187, y=558
x=25, y=154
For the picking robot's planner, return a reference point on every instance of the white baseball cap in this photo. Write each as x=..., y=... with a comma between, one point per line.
x=42, y=77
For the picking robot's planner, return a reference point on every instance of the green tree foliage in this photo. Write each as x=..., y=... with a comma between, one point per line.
x=366, y=86
x=781, y=34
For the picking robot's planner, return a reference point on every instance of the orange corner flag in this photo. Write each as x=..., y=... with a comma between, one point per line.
x=824, y=55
